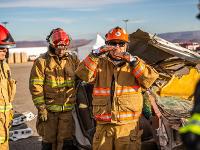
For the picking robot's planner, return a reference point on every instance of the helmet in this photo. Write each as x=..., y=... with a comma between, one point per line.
x=58, y=37
x=117, y=33
x=6, y=40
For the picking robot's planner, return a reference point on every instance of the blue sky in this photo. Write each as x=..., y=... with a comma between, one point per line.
x=34, y=19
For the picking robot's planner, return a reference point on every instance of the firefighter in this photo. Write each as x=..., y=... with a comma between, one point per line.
x=7, y=87
x=117, y=99
x=190, y=133
x=52, y=85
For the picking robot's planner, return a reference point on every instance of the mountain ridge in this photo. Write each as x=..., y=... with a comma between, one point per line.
x=183, y=36
x=74, y=44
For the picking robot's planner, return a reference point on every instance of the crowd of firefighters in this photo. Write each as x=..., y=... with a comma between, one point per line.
x=118, y=78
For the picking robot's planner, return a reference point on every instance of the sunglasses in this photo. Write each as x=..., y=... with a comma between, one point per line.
x=3, y=50
x=121, y=44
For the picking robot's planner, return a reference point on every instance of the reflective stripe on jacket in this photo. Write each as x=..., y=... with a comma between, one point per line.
x=52, y=81
x=117, y=94
x=192, y=126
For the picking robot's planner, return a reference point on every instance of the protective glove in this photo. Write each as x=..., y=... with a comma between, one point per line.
x=42, y=114
x=102, y=50
x=126, y=56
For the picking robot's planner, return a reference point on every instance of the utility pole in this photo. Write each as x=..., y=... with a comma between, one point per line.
x=198, y=5
x=126, y=23
x=4, y=23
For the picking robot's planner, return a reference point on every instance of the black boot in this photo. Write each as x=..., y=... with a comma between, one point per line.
x=69, y=145
x=46, y=146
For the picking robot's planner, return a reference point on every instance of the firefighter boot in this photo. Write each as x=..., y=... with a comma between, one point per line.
x=46, y=146
x=69, y=145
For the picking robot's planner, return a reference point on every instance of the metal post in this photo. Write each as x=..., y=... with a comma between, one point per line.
x=126, y=23
x=4, y=23
x=198, y=5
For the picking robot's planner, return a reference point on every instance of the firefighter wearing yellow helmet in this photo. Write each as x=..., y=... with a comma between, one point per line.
x=52, y=85
x=117, y=99
x=7, y=87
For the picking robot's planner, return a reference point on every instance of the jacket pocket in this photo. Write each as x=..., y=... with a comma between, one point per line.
x=100, y=106
x=130, y=103
x=11, y=89
x=49, y=98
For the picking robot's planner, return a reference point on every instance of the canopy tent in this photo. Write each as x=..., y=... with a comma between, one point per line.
x=83, y=51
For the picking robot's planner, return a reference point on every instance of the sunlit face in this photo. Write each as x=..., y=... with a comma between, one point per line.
x=61, y=50
x=3, y=52
x=120, y=47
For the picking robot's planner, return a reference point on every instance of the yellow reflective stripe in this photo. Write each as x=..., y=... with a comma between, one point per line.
x=195, y=116
x=2, y=139
x=39, y=100
x=53, y=83
x=193, y=125
x=37, y=81
x=193, y=128
x=6, y=108
x=60, y=108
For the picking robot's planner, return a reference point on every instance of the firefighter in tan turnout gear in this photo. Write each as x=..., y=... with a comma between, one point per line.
x=52, y=85
x=117, y=100
x=7, y=88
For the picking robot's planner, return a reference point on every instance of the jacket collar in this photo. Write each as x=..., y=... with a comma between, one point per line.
x=55, y=56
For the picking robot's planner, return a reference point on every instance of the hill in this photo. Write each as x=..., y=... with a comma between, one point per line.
x=187, y=36
x=75, y=43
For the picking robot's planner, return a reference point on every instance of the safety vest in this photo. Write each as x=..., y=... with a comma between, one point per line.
x=192, y=126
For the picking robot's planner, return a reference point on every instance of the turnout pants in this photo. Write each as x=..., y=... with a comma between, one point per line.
x=4, y=130
x=117, y=137
x=58, y=127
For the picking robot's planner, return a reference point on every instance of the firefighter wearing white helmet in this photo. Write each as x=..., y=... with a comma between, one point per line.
x=7, y=87
x=52, y=85
x=118, y=79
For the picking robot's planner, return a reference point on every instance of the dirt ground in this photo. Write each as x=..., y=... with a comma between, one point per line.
x=23, y=102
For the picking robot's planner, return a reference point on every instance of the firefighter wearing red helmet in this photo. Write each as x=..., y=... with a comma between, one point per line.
x=118, y=79
x=7, y=87
x=52, y=85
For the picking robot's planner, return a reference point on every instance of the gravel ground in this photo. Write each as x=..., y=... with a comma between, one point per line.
x=22, y=103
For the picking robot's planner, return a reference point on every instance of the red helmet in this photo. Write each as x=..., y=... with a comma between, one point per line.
x=117, y=33
x=6, y=40
x=58, y=37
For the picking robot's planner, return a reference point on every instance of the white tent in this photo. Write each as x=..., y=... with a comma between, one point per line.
x=83, y=51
